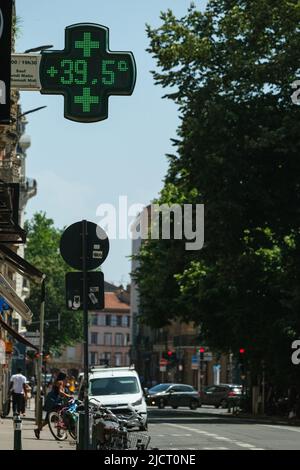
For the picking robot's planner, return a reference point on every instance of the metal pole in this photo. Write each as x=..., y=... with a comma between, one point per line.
x=39, y=410
x=17, y=433
x=86, y=336
x=80, y=431
x=263, y=388
x=199, y=374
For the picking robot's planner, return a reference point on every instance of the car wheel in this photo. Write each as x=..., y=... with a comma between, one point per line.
x=174, y=407
x=193, y=405
x=224, y=404
x=161, y=404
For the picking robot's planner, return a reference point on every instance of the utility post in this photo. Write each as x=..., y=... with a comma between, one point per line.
x=200, y=369
x=263, y=384
x=39, y=408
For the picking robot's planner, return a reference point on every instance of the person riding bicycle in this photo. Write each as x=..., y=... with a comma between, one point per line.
x=53, y=399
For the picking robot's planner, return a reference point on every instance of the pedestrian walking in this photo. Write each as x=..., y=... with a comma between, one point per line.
x=19, y=392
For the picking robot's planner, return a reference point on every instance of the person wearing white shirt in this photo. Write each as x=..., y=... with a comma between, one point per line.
x=18, y=389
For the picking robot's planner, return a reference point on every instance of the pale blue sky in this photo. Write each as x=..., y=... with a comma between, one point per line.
x=79, y=166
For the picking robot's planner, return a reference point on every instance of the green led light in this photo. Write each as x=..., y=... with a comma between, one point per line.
x=87, y=45
x=122, y=66
x=87, y=73
x=86, y=100
x=52, y=71
x=108, y=76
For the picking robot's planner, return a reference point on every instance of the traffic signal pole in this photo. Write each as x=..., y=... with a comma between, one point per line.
x=86, y=336
x=39, y=408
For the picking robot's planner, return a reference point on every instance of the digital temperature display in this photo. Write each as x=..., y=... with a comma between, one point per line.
x=86, y=72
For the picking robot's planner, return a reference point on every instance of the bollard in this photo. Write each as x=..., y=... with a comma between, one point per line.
x=17, y=433
x=80, y=431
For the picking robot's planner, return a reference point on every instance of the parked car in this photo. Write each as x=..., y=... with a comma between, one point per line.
x=173, y=395
x=219, y=395
x=117, y=388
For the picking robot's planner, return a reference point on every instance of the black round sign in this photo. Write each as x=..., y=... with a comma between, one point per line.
x=97, y=245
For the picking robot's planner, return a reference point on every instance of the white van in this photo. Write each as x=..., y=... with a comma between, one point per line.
x=116, y=388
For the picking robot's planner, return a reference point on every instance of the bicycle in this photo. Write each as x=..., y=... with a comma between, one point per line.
x=63, y=420
x=111, y=432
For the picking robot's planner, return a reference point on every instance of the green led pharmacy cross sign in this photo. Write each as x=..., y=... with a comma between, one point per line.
x=86, y=72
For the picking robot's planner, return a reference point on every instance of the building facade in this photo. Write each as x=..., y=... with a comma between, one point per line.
x=177, y=345
x=109, y=335
x=15, y=191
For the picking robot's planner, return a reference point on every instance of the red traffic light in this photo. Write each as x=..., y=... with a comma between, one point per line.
x=242, y=351
x=170, y=353
x=202, y=350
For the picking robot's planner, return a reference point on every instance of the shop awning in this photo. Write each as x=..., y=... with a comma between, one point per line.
x=16, y=335
x=20, y=265
x=12, y=298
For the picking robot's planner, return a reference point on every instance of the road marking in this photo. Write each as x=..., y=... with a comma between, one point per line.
x=244, y=444
x=215, y=436
x=287, y=428
x=215, y=448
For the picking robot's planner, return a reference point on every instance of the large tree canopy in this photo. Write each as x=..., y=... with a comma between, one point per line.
x=230, y=70
x=42, y=250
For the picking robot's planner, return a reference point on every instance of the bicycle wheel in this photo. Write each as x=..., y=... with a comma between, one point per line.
x=56, y=426
x=73, y=432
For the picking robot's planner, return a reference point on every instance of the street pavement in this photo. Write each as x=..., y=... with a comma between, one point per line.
x=180, y=429
x=211, y=429
x=29, y=441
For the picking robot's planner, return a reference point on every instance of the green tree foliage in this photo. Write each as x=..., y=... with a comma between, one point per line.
x=230, y=71
x=42, y=250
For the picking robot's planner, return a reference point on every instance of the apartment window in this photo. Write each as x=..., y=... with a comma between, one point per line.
x=119, y=320
x=101, y=320
x=93, y=358
x=105, y=358
x=124, y=321
x=128, y=321
x=127, y=339
x=113, y=320
x=71, y=352
x=107, y=320
x=118, y=359
x=94, y=338
x=119, y=339
x=94, y=319
x=127, y=360
x=107, y=339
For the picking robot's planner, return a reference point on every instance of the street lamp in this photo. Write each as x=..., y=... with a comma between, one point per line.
x=37, y=49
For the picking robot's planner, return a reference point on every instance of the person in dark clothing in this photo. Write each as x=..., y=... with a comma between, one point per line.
x=58, y=391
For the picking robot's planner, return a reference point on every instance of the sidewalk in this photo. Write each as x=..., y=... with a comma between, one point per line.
x=265, y=419
x=29, y=441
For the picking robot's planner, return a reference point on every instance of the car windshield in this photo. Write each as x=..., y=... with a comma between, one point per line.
x=159, y=388
x=113, y=386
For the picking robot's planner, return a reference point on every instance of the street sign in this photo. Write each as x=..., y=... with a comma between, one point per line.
x=33, y=337
x=71, y=246
x=195, y=362
x=207, y=356
x=25, y=71
x=74, y=290
x=86, y=72
x=5, y=53
x=163, y=362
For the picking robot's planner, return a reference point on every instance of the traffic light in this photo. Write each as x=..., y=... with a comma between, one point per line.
x=242, y=352
x=201, y=351
x=170, y=356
